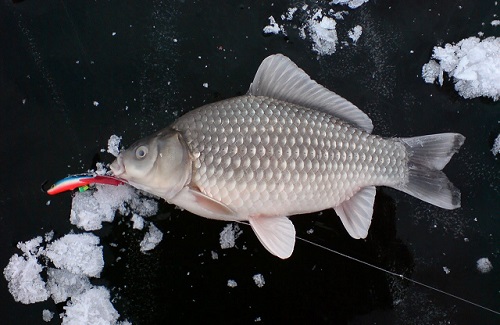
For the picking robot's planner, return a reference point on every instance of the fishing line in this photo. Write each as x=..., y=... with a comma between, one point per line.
x=401, y=276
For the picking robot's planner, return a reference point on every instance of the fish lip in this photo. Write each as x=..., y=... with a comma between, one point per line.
x=117, y=167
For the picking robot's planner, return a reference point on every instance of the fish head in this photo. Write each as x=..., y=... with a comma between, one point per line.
x=159, y=164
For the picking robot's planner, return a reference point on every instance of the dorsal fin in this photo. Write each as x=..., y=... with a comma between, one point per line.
x=278, y=77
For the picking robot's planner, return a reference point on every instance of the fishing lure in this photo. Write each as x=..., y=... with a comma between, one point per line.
x=82, y=182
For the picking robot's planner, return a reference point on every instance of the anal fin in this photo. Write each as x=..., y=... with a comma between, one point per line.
x=277, y=234
x=356, y=213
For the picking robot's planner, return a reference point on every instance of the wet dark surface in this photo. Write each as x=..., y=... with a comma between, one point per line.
x=61, y=56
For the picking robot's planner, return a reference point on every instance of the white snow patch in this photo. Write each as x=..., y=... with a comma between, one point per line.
x=355, y=33
x=322, y=30
x=114, y=145
x=353, y=4
x=229, y=235
x=473, y=64
x=484, y=265
x=259, y=280
x=91, y=307
x=152, y=238
x=78, y=253
x=496, y=146
x=47, y=315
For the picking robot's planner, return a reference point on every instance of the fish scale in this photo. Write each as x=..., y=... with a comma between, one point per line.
x=277, y=158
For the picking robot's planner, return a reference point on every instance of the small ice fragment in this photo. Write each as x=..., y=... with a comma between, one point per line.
x=310, y=231
x=91, y=307
x=353, y=4
x=48, y=236
x=47, y=203
x=323, y=33
x=495, y=22
x=273, y=27
x=215, y=256
x=231, y=283
x=431, y=71
x=484, y=265
x=24, y=101
x=229, y=235
x=496, y=146
x=446, y=270
x=289, y=14
x=113, y=33
x=96, y=103
x=47, y=315
x=77, y=253
x=205, y=84
x=152, y=238
x=114, y=145
x=355, y=33
x=259, y=280
x=138, y=221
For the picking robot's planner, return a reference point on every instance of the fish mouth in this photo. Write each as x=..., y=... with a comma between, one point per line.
x=117, y=166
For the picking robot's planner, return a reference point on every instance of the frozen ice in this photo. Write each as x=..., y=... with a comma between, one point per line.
x=353, y=4
x=214, y=255
x=152, y=238
x=259, y=280
x=495, y=22
x=77, y=253
x=91, y=307
x=47, y=315
x=138, y=221
x=273, y=27
x=229, y=235
x=355, y=33
x=231, y=283
x=90, y=209
x=322, y=30
x=114, y=145
x=472, y=63
x=446, y=270
x=63, y=284
x=289, y=14
x=484, y=265
x=496, y=146
x=24, y=281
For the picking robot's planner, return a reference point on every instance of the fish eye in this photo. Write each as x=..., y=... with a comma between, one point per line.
x=141, y=152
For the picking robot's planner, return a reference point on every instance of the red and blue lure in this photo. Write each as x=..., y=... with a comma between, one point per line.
x=82, y=182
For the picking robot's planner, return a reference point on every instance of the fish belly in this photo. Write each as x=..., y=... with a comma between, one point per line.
x=262, y=156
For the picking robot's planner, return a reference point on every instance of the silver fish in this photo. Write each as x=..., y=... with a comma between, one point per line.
x=289, y=146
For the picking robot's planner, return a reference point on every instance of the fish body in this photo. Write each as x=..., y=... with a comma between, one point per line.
x=289, y=146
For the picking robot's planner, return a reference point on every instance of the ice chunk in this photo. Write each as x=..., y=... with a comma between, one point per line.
x=78, y=253
x=432, y=71
x=138, y=221
x=473, y=64
x=91, y=307
x=322, y=30
x=353, y=4
x=152, y=238
x=24, y=281
x=446, y=270
x=259, y=280
x=47, y=315
x=495, y=22
x=355, y=33
x=231, y=283
x=496, y=146
x=90, y=209
x=229, y=235
x=273, y=27
x=289, y=14
x=63, y=284
x=484, y=265
x=114, y=145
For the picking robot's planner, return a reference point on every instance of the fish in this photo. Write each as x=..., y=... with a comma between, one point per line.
x=289, y=146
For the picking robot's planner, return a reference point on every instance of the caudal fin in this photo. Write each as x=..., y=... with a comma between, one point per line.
x=427, y=156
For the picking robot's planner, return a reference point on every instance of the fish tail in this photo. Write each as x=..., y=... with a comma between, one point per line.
x=428, y=155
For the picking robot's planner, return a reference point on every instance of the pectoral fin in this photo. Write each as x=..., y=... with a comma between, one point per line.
x=277, y=234
x=198, y=203
x=356, y=213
